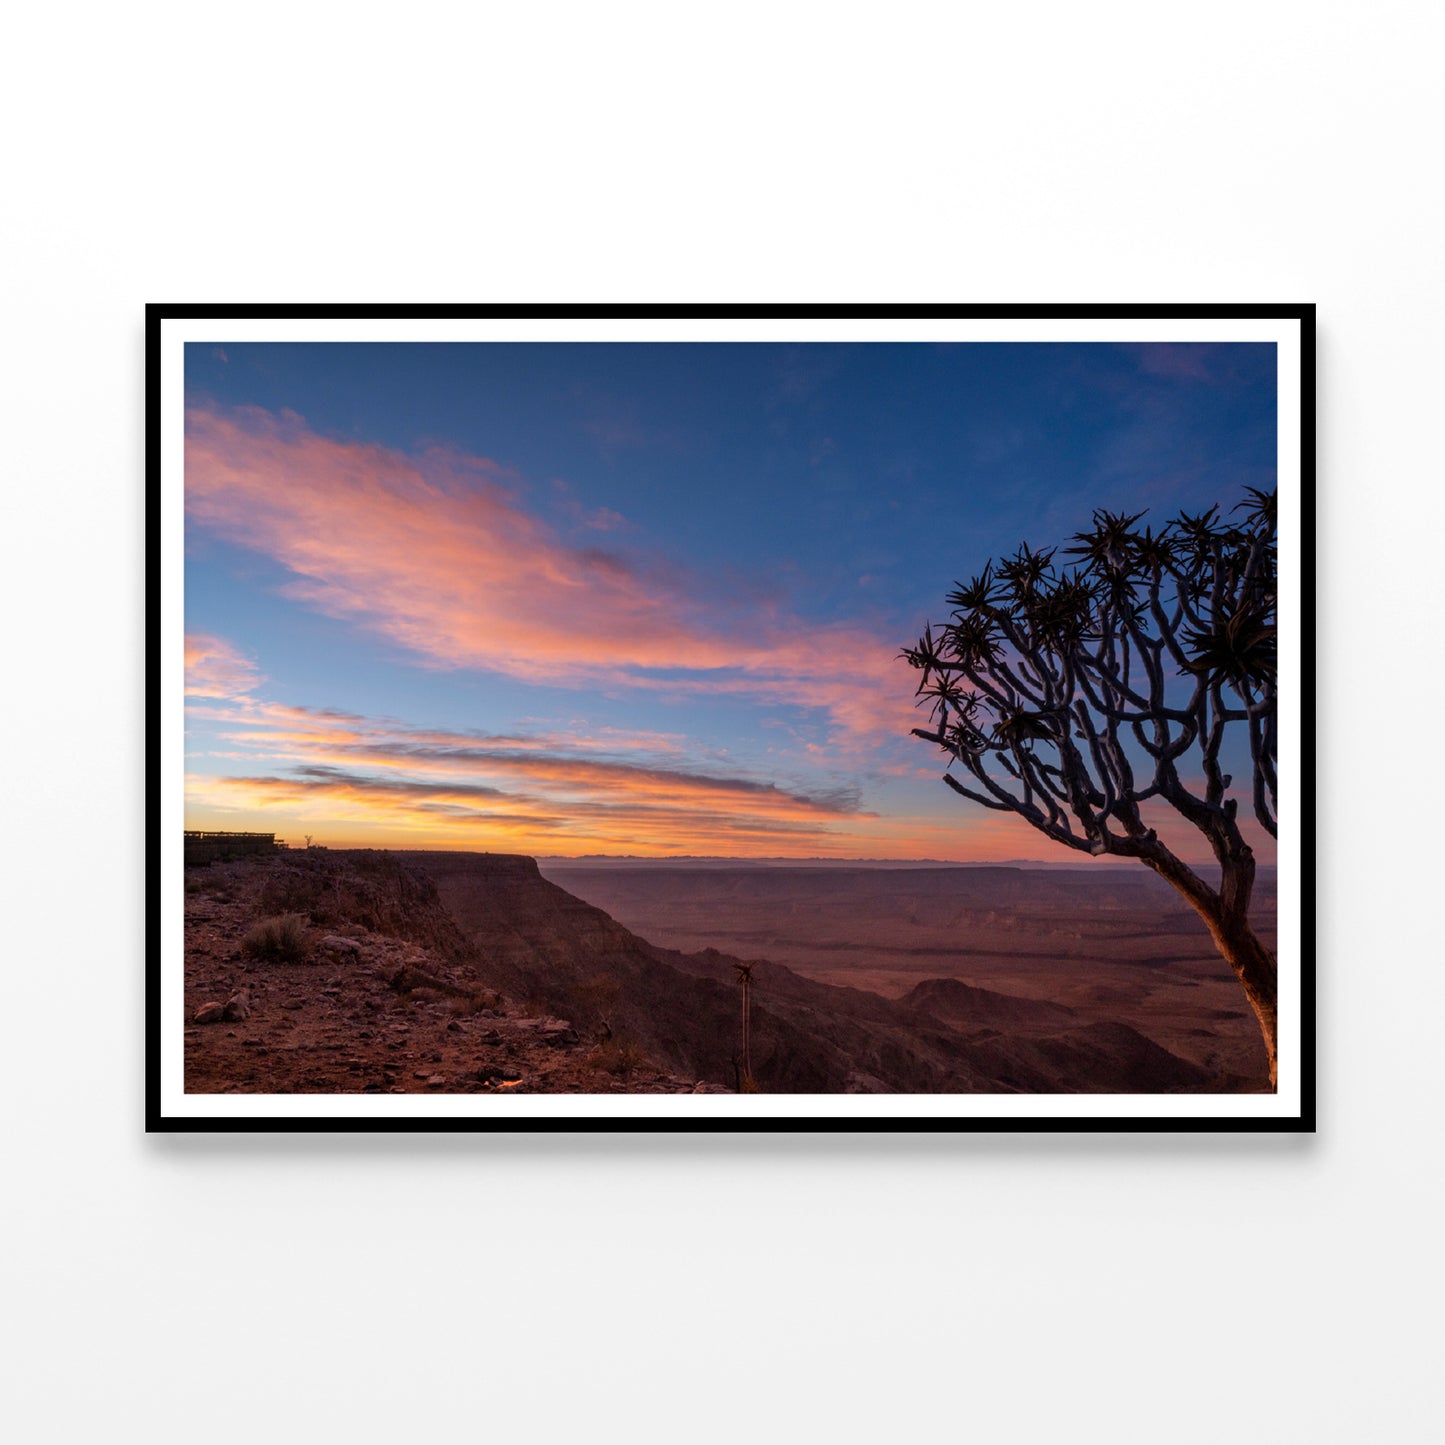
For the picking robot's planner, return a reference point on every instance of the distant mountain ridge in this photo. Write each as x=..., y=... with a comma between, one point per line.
x=719, y=860
x=965, y=1006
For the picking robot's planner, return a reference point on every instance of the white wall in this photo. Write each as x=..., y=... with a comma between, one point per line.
x=1027, y=1289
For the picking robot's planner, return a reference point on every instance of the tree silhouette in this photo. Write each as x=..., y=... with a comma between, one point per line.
x=1075, y=692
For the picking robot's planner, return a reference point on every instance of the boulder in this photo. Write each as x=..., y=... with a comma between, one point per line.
x=495, y=1074
x=548, y=1030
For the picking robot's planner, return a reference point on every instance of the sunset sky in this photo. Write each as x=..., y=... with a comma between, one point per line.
x=641, y=599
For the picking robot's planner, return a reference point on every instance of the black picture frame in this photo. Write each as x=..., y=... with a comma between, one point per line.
x=162, y=1115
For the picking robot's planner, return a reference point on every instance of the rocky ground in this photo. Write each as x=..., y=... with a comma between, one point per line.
x=380, y=1000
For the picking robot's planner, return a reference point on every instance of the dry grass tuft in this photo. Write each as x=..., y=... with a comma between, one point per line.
x=284, y=939
x=484, y=1000
x=615, y=1058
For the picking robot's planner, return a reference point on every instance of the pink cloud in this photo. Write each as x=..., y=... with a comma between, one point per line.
x=436, y=553
x=570, y=769
x=380, y=781
x=379, y=778
x=214, y=668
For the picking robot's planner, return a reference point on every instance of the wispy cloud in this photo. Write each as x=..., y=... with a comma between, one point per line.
x=597, y=519
x=613, y=423
x=437, y=553
x=1176, y=360
x=214, y=668
x=543, y=791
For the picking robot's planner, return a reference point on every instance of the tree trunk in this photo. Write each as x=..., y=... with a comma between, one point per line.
x=1225, y=914
x=1255, y=967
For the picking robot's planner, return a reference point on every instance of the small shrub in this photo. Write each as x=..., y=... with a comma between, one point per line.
x=615, y=1058
x=284, y=939
x=484, y=1001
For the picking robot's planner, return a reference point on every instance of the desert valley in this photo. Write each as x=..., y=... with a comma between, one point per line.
x=368, y=971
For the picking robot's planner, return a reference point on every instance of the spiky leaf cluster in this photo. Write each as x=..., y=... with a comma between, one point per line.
x=1056, y=669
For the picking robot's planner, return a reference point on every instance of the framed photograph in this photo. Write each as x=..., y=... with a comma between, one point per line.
x=730, y=718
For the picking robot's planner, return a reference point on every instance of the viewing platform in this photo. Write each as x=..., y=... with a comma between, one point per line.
x=210, y=847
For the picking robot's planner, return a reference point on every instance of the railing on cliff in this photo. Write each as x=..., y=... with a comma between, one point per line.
x=205, y=843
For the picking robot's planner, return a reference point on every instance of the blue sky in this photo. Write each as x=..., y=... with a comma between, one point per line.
x=641, y=598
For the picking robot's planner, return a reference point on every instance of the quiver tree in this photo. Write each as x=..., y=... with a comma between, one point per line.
x=1072, y=692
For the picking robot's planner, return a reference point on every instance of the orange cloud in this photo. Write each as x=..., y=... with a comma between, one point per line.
x=435, y=553
x=370, y=780
x=362, y=782
x=381, y=782
x=312, y=740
